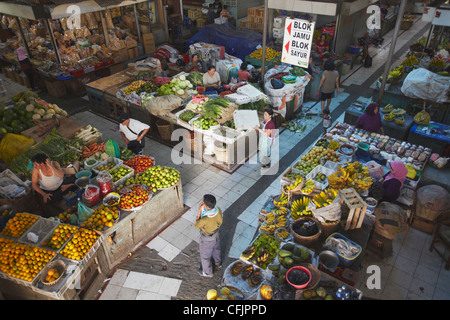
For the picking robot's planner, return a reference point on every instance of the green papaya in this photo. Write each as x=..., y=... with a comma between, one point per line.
x=284, y=253
x=297, y=258
x=274, y=267
x=288, y=247
x=288, y=262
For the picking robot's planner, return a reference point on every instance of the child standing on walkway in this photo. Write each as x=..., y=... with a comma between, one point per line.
x=326, y=120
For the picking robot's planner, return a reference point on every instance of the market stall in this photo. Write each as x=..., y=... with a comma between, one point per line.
x=67, y=53
x=329, y=213
x=120, y=202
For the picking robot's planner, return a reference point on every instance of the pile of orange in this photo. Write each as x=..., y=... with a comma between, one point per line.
x=23, y=261
x=52, y=275
x=16, y=226
x=102, y=217
x=80, y=244
x=60, y=235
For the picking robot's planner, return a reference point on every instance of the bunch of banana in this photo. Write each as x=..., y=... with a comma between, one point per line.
x=262, y=258
x=388, y=108
x=268, y=228
x=281, y=222
x=282, y=234
x=298, y=207
x=308, y=187
x=282, y=201
x=248, y=253
x=334, y=145
x=363, y=184
x=295, y=184
x=270, y=217
x=281, y=211
x=325, y=198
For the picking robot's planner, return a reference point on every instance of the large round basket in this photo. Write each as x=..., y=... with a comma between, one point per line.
x=329, y=227
x=306, y=240
x=58, y=265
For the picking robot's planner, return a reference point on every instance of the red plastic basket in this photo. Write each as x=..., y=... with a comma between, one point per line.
x=302, y=269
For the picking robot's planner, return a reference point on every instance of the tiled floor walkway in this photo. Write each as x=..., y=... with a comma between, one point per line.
x=411, y=273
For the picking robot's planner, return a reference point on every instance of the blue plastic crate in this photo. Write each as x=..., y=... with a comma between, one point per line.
x=343, y=261
x=74, y=199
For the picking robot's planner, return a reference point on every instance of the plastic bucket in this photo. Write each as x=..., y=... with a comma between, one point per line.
x=371, y=205
x=83, y=173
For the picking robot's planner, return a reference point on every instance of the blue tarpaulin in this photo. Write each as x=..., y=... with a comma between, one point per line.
x=238, y=43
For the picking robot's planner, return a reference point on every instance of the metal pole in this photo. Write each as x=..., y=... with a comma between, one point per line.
x=263, y=57
x=387, y=66
x=52, y=39
x=24, y=40
x=336, y=31
x=138, y=27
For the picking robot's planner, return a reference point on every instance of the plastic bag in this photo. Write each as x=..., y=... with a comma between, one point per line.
x=105, y=182
x=375, y=169
x=84, y=212
x=91, y=195
x=112, y=148
x=14, y=145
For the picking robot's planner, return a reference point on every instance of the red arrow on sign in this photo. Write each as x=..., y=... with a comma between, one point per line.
x=289, y=28
x=287, y=46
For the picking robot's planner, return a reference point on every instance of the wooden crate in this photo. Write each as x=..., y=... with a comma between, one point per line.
x=357, y=208
x=243, y=24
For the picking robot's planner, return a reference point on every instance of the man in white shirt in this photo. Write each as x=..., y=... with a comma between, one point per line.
x=133, y=133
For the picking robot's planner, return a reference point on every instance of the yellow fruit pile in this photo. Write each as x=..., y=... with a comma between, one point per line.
x=102, y=217
x=16, y=226
x=299, y=208
x=59, y=236
x=350, y=175
x=23, y=261
x=133, y=86
x=52, y=275
x=80, y=244
x=270, y=54
x=410, y=61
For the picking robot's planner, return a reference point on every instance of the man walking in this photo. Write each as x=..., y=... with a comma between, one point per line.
x=208, y=221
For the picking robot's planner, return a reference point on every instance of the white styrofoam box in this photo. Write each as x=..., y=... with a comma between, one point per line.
x=278, y=35
x=279, y=20
x=278, y=30
x=245, y=119
x=249, y=90
x=320, y=169
x=220, y=20
x=238, y=98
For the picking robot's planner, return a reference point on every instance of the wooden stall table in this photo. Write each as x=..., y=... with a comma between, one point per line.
x=390, y=128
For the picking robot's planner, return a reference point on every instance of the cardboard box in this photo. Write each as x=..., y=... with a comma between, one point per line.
x=148, y=42
x=115, y=68
x=120, y=55
x=133, y=53
x=56, y=88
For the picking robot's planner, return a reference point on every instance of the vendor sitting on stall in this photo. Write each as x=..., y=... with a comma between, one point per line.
x=321, y=46
x=133, y=133
x=47, y=179
x=394, y=180
x=243, y=73
x=370, y=120
x=211, y=79
x=195, y=64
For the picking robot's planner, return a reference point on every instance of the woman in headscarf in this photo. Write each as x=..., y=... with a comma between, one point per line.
x=26, y=65
x=394, y=181
x=370, y=120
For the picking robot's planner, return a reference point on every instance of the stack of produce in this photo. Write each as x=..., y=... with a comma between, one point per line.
x=275, y=220
x=299, y=208
x=350, y=175
x=196, y=78
x=325, y=198
x=148, y=87
x=262, y=251
x=88, y=134
x=204, y=123
x=119, y=172
x=16, y=226
x=80, y=244
x=134, y=196
x=139, y=163
x=55, y=146
x=177, y=86
x=271, y=54
x=133, y=87
x=23, y=261
x=59, y=236
x=156, y=177
x=102, y=217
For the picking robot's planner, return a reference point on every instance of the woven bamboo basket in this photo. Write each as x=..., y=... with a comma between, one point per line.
x=306, y=241
x=329, y=227
x=59, y=265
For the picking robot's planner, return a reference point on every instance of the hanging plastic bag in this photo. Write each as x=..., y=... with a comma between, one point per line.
x=105, y=182
x=84, y=212
x=91, y=195
x=112, y=149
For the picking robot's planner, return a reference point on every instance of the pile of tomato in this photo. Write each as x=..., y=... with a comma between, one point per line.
x=140, y=163
x=135, y=197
